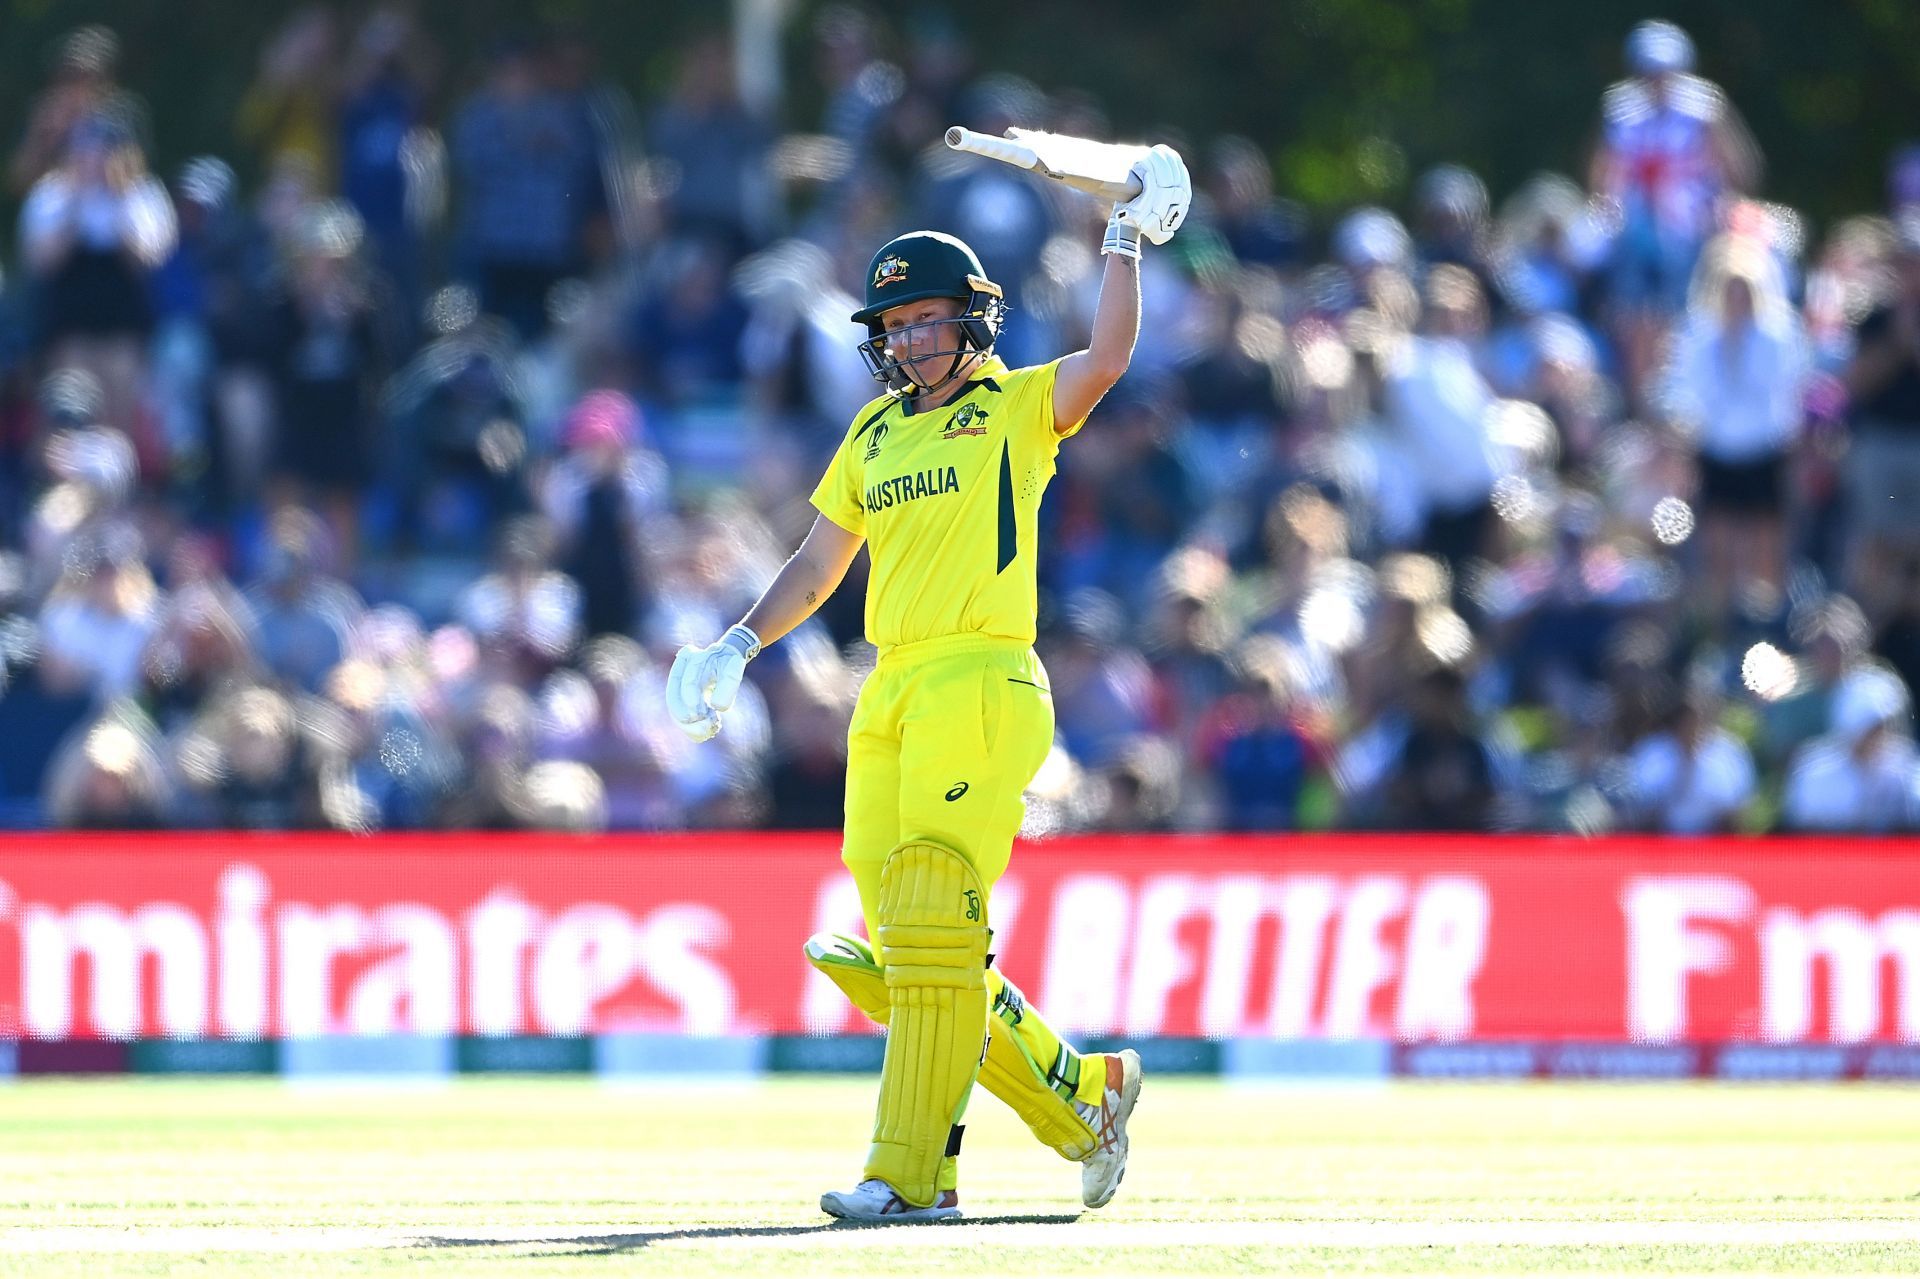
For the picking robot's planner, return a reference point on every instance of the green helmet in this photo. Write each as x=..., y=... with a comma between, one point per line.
x=928, y=264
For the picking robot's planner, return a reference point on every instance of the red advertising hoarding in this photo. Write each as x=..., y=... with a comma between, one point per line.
x=1409, y=938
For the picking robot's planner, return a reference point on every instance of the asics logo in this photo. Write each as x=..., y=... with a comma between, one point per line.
x=956, y=792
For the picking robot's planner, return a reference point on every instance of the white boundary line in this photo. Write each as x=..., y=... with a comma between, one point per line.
x=1088, y=1232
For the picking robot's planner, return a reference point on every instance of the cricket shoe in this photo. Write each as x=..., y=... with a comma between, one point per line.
x=875, y=1201
x=1101, y=1171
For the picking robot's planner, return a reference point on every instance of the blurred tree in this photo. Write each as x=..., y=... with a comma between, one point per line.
x=1352, y=98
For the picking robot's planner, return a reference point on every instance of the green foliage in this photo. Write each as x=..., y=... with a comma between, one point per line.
x=1351, y=98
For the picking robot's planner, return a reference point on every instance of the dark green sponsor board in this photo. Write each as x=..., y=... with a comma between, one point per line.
x=203, y=1057
x=524, y=1054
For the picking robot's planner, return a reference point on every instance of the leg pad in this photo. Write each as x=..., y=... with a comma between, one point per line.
x=933, y=957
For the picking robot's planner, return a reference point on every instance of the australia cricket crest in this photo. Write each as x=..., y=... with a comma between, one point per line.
x=963, y=422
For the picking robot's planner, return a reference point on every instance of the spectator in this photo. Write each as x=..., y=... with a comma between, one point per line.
x=254, y=766
x=109, y=776
x=525, y=615
x=794, y=352
x=599, y=718
x=1690, y=776
x=686, y=332
x=1440, y=406
x=1836, y=637
x=1864, y=775
x=1255, y=745
x=289, y=109
x=82, y=86
x=183, y=343
x=43, y=698
x=304, y=619
x=721, y=190
x=100, y=616
x=497, y=750
x=807, y=768
x=1128, y=504
x=1546, y=245
x=1188, y=636
x=572, y=67
x=1739, y=373
x=94, y=474
x=527, y=185
x=564, y=796
x=506, y=788
x=1452, y=220
x=1883, y=465
x=455, y=461
x=861, y=87
x=388, y=763
x=218, y=295
x=1671, y=149
x=91, y=231
x=1260, y=229
x=1102, y=687
x=328, y=358
x=598, y=497
x=1142, y=785
x=1442, y=775
x=203, y=643
x=391, y=165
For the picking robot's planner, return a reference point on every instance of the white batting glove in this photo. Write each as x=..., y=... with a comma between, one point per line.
x=1166, y=193
x=704, y=681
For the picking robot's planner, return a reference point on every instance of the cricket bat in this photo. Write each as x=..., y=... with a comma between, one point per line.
x=1098, y=168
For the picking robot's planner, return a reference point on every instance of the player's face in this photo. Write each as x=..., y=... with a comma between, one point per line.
x=924, y=339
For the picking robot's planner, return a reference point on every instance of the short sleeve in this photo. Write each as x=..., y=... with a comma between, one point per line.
x=1050, y=373
x=837, y=496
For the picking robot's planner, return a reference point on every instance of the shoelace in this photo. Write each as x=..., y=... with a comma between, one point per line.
x=1108, y=1134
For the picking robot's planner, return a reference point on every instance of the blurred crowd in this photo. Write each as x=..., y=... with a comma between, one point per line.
x=375, y=491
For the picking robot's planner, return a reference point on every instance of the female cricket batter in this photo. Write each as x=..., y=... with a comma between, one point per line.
x=942, y=476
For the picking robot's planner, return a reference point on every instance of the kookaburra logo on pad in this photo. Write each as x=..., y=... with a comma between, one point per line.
x=892, y=270
x=963, y=422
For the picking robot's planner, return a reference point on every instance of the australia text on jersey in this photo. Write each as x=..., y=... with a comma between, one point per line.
x=906, y=488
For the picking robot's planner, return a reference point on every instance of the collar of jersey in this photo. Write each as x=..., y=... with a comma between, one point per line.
x=993, y=368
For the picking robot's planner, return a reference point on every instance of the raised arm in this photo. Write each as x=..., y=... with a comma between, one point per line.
x=1166, y=193
x=703, y=682
x=1087, y=375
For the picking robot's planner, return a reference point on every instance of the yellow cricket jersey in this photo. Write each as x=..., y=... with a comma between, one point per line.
x=949, y=502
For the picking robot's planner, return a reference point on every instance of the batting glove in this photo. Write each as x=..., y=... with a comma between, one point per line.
x=1166, y=193
x=704, y=681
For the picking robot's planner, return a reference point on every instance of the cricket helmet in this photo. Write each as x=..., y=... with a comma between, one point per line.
x=928, y=264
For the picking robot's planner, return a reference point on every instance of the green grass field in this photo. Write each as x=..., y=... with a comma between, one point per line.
x=572, y=1177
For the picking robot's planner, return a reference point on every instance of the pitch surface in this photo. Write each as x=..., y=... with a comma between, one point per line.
x=573, y=1177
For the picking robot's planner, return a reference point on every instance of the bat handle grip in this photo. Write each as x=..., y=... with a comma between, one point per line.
x=1002, y=149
